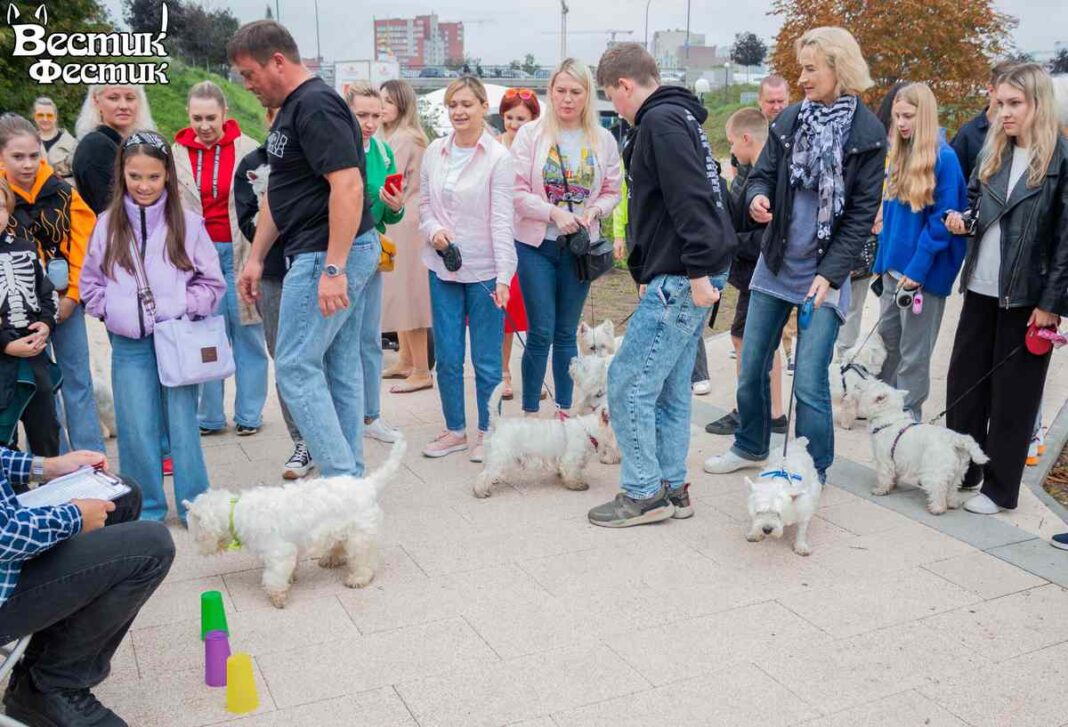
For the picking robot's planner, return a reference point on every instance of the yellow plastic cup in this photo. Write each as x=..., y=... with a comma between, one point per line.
x=241, y=696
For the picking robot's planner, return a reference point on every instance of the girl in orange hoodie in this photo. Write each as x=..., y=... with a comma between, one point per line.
x=51, y=213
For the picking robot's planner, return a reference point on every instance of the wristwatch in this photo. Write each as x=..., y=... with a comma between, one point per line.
x=37, y=469
x=332, y=271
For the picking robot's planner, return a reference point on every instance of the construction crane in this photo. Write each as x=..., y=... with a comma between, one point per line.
x=610, y=32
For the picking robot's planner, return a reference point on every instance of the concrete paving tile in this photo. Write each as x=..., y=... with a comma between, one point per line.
x=985, y=575
x=670, y=653
x=231, y=454
x=908, y=709
x=174, y=647
x=863, y=518
x=124, y=663
x=313, y=582
x=853, y=607
x=1010, y=626
x=375, y=708
x=179, y=601
x=325, y=671
x=189, y=564
x=741, y=695
x=854, y=671
x=511, y=691
x=1024, y=692
x=898, y=549
x=1037, y=557
x=177, y=699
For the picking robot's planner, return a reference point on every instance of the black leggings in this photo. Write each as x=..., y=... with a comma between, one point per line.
x=1000, y=413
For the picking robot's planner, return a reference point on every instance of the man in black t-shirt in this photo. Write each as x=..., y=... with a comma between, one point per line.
x=316, y=202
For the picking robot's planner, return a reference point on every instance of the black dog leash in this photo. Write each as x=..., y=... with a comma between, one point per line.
x=974, y=386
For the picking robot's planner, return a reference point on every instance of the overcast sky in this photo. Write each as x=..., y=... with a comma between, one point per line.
x=512, y=29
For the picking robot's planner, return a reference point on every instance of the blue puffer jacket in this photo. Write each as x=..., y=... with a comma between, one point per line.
x=917, y=244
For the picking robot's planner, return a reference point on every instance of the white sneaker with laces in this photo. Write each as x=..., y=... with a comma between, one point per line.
x=728, y=462
x=702, y=388
x=378, y=429
x=982, y=505
x=300, y=463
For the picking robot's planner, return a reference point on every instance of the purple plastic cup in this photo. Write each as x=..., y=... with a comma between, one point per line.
x=216, y=652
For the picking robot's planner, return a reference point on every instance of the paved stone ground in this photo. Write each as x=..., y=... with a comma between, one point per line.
x=514, y=610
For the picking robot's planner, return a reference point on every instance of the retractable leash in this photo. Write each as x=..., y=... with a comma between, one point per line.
x=974, y=386
x=804, y=317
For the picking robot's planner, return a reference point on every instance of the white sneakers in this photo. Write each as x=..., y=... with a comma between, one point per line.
x=728, y=462
x=982, y=505
x=378, y=429
x=702, y=388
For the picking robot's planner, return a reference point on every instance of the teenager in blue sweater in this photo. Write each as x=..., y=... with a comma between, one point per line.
x=916, y=253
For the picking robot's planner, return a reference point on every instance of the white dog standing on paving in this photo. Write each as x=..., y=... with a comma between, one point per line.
x=858, y=365
x=524, y=444
x=788, y=495
x=912, y=453
x=599, y=340
x=336, y=517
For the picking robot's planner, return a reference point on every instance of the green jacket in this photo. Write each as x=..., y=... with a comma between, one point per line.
x=380, y=164
x=619, y=216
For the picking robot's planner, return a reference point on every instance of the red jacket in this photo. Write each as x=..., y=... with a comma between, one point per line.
x=216, y=167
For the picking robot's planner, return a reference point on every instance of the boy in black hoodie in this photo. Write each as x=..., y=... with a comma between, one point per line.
x=683, y=245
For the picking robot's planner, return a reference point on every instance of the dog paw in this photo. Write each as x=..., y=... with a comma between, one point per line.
x=802, y=549
x=754, y=537
x=576, y=485
x=935, y=509
x=880, y=491
x=360, y=578
x=331, y=560
x=481, y=491
x=278, y=598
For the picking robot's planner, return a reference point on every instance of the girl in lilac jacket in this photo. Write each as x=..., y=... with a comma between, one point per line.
x=145, y=218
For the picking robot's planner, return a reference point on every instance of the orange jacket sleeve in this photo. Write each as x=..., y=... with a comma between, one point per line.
x=82, y=221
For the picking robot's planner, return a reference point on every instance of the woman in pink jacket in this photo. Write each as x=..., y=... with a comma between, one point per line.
x=465, y=215
x=567, y=177
x=145, y=218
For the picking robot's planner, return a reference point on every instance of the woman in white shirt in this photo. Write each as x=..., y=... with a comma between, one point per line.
x=1015, y=277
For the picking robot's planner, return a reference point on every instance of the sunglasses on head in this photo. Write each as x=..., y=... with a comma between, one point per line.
x=44, y=115
x=524, y=93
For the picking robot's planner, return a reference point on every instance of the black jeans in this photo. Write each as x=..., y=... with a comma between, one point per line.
x=1000, y=413
x=79, y=598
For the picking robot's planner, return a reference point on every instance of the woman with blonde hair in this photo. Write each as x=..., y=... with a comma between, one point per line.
x=917, y=255
x=465, y=214
x=817, y=185
x=109, y=114
x=1014, y=282
x=405, y=292
x=567, y=177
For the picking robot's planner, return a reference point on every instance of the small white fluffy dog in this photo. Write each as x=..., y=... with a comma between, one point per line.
x=258, y=179
x=859, y=365
x=597, y=341
x=933, y=458
x=590, y=374
x=788, y=495
x=105, y=402
x=518, y=444
x=335, y=517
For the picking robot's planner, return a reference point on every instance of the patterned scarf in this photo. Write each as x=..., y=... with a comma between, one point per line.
x=817, y=160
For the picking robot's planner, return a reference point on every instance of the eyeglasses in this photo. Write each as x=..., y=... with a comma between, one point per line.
x=524, y=93
x=45, y=116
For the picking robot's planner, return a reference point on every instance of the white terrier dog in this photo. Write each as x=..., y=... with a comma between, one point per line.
x=859, y=364
x=258, y=179
x=517, y=444
x=597, y=341
x=911, y=453
x=785, y=496
x=105, y=402
x=590, y=374
x=337, y=518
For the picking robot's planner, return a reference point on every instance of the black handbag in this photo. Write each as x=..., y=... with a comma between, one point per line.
x=592, y=258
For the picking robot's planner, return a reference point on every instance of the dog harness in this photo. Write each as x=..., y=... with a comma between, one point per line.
x=893, y=447
x=235, y=541
x=862, y=372
x=783, y=474
x=562, y=416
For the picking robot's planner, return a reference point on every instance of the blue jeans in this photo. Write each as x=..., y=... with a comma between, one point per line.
x=145, y=411
x=318, y=359
x=554, y=298
x=76, y=406
x=371, y=349
x=812, y=357
x=454, y=307
x=250, y=357
x=649, y=386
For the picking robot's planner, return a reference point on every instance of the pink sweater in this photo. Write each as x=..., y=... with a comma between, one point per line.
x=532, y=208
x=478, y=212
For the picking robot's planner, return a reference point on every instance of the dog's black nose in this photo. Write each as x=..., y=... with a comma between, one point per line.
x=768, y=530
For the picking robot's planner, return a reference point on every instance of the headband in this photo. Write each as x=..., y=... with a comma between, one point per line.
x=147, y=138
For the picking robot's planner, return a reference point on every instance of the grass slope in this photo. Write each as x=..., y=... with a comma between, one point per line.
x=168, y=102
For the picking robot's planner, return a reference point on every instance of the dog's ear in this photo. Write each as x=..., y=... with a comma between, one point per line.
x=187, y=505
x=610, y=327
x=751, y=484
x=583, y=328
x=795, y=493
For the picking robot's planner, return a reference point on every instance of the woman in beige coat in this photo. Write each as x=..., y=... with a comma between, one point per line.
x=59, y=144
x=206, y=155
x=406, y=290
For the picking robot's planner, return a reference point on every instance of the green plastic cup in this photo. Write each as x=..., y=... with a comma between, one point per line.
x=212, y=613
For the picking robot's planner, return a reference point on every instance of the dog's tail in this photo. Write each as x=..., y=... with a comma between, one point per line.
x=391, y=466
x=966, y=445
x=495, y=406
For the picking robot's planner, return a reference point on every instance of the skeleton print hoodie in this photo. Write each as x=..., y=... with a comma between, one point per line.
x=26, y=294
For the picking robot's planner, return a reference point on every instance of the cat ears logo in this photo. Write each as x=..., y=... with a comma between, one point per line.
x=33, y=41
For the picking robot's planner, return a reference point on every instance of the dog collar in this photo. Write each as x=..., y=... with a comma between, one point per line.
x=235, y=541
x=563, y=417
x=862, y=372
x=782, y=474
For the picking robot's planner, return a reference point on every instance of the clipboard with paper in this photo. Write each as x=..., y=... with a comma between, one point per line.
x=86, y=483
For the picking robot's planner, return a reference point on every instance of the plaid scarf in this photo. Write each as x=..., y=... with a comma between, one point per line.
x=817, y=159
